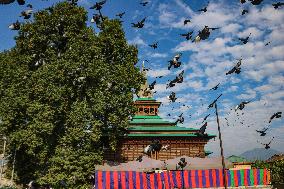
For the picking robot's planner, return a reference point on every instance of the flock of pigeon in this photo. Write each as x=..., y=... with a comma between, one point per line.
x=175, y=62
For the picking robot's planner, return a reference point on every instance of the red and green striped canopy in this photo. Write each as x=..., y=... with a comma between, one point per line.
x=180, y=179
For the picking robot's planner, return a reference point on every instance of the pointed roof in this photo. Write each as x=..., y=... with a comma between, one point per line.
x=144, y=92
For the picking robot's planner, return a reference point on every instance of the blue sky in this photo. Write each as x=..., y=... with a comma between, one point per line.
x=205, y=63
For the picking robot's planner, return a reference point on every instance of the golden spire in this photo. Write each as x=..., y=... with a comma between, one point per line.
x=144, y=92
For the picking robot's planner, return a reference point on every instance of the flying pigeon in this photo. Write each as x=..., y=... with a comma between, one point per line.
x=154, y=45
x=27, y=13
x=186, y=21
x=204, y=9
x=203, y=128
x=30, y=6
x=277, y=5
x=181, y=164
x=120, y=14
x=152, y=85
x=203, y=34
x=96, y=19
x=180, y=119
x=139, y=158
x=241, y=106
x=262, y=132
x=244, y=11
x=276, y=115
x=175, y=61
x=4, y=2
x=187, y=35
x=178, y=79
x=245, y=40
x=236, y=69
x=172, y=97
x=98, y=5
x=139, y=24
x=144, y=3
x=267, y=43
x=255, y=2
x=216, y=87
x=267, y=145
x=242, y=1
x=15, y=26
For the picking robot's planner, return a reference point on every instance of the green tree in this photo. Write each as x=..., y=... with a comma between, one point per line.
x=64, y=89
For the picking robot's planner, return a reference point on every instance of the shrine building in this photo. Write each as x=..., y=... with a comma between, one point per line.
x=147, y=127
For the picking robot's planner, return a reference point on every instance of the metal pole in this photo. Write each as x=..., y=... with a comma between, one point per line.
x=2, y=163
x=221, y=146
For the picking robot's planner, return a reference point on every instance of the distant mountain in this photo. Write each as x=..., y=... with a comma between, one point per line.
x=259, y=154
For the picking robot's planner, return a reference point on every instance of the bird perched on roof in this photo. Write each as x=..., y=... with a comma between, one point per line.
x=152, y=85
x=27, y=13
x=98, y=5
x=204, y=9
x=154, y=45
x=139, y=24
x=180, y=119
x=204, y=119
x=144, y=3
x=175, y=61
x=244, y=11
x=216, y=87
x=120, y=14
x=20, y=2
x=262, y=132
x=172, y=97
x=15, y=26
x=186, y=21
x=255, y=2
x=245, y=40
x=241, y=106
x=267, y=145
x=203, y=34
x=277, y=5
x=275, y=115
x=187, y=35
x=236, y=69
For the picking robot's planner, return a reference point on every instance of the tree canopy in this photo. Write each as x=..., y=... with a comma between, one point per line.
x=62, y=88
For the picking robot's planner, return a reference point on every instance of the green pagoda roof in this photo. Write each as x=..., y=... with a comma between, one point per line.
x=155, y=128
x=166, y=135
x=149, y=119
x=138, y=99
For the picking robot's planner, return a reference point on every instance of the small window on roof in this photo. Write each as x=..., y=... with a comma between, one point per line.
x=152, y=111
x=140, y=109
x=146, y=110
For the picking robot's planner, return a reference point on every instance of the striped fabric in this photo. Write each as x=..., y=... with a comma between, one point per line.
x=180, y=179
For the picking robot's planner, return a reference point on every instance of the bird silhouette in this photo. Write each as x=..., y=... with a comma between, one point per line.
x=244, y=11
x=154, y=45
x=236, y=69
x=172, y=97
x=139, y=24
x=267, y=146
x=203, y=34
x=245, y=40
x=20, y=2
x=175, y=61
x=242, y=1
x=241, y=106
x=96, y=19
x=216, y=87
x=202, y=129
x=144, y=3
x=27, y=13
x=186, y=21
x=187, y=35
x=98, y=5
x=255, y=2
x=262, y=132
x=120, y=14
x=178, y=79
x=267, y=43
x=180, y=119
x=204, y=9
x=275, y=115
x=277, y=5
x=15, y=26
x=152, y=85
x=213, y=103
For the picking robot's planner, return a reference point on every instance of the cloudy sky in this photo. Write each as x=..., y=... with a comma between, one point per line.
x=205, y=64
